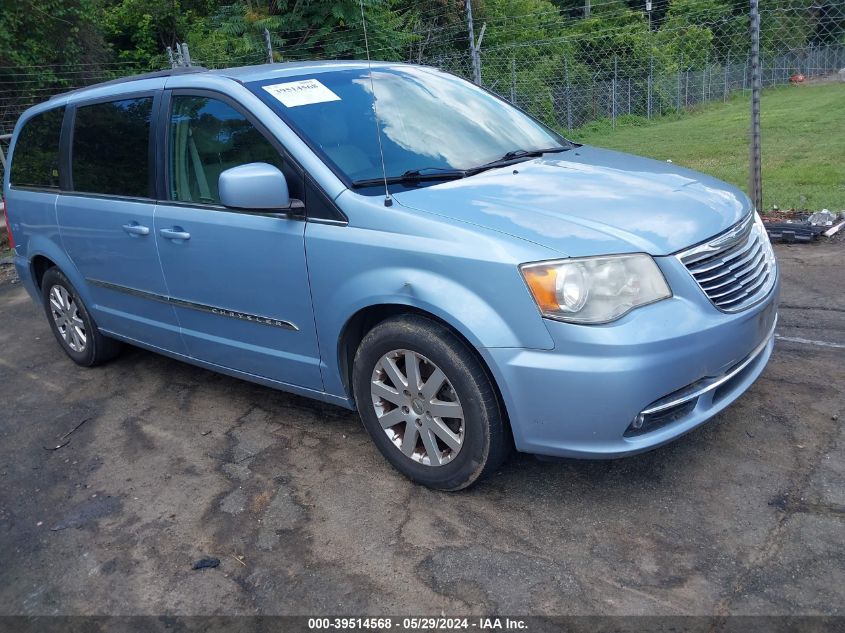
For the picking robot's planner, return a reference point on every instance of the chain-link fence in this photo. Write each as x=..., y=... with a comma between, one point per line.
x=600, y=62
x=593, y=75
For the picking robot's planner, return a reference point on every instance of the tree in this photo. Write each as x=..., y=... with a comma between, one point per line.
x=301, y=30
x=47, y=32
x=140, y=30
x=38, y=36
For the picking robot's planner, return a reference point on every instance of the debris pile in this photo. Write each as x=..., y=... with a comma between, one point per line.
x=802, y=227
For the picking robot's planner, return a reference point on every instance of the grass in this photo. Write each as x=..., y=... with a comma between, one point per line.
x=803, y=136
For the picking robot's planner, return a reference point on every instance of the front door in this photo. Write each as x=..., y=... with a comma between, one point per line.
x=238, y=279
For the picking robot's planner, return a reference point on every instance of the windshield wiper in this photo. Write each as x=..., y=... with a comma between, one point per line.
x=516, y=155
x=414, y=176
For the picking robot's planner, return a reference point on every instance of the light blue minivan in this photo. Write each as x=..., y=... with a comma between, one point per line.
x=397, y=240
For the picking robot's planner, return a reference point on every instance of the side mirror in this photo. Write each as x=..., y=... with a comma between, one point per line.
x=258, y=186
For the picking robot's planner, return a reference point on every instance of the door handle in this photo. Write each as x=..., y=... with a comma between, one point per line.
x=133, y=228
x=174, y=234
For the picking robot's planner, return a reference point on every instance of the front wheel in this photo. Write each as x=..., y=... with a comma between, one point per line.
x=428, y=403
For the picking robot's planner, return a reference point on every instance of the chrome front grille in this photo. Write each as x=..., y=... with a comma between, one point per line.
x=735, y=269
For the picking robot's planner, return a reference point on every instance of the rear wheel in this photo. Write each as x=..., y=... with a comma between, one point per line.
x=73, y=326
x=428, y=403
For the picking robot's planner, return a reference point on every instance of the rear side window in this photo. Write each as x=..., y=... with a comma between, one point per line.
x=111, y=148
x=36, y=159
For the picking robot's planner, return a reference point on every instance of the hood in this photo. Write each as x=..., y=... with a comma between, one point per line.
x=590, y=201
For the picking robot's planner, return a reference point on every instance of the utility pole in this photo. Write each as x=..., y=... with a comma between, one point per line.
x=269, y=46
x=586, y=8
x=478, y=52
x=473, y=49
x=475, y=72
x=755, y=171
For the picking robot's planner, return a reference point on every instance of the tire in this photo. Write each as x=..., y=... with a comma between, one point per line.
x=410, y=429
x=72, y=324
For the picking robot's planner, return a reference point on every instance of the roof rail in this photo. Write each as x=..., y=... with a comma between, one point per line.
x=179, y=70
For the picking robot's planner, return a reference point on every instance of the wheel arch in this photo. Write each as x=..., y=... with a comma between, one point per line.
x=365, y=319
x=42, y=254
x=39, y=265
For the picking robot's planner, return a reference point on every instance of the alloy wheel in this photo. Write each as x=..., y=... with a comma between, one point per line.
x=65, y=315
x=417, y=407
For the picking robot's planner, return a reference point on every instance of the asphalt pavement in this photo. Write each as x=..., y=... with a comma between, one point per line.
x=162, y=464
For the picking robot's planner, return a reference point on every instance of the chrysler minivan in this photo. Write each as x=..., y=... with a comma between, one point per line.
x=396, y=240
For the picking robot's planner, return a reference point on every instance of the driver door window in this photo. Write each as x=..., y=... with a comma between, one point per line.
x=207, y=137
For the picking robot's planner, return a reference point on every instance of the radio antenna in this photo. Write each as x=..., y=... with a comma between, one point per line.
x=388, y=201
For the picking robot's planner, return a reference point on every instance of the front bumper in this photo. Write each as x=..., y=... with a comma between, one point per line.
x=677, y=363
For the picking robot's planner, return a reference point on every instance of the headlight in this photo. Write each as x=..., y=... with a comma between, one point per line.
x=595, y=289
x=764, y=234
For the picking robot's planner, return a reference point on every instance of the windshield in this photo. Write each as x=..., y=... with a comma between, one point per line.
x=429, y=120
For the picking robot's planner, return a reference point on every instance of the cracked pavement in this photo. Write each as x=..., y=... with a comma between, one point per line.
x=172, y=463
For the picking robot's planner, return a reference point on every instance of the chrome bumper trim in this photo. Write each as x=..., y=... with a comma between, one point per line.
x=706, y=385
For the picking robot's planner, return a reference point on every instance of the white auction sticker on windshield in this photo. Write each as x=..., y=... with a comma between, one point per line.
x=303, y=92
